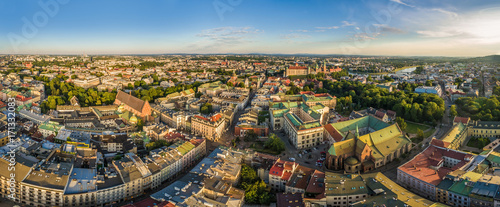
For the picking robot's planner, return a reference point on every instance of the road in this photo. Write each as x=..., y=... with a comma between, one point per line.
x=228, y=134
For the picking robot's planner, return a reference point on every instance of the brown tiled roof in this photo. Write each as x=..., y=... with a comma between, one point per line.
x=420, y=166
x=440, y=143
x=297, y=67
x=334, y=133
x=130, y=100
x=380, y=114
x=464, y=120
x=316, y=183
x=391, y=113
x=289, y=200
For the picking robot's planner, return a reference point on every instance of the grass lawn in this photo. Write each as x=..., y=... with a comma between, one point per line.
x=416, y=140
x=412, y=128
x=478, y=142
x=295, y=77
x=259, y=147
x=429, y=133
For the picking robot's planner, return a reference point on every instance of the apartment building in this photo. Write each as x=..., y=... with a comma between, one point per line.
x=209, y=127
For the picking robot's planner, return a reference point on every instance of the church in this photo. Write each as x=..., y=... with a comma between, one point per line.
x=364, y=144
x=138, y=107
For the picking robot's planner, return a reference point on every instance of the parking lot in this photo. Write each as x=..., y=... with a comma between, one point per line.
x=308, y=157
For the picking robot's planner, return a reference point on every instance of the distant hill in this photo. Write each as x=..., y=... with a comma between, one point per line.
x=491, y=59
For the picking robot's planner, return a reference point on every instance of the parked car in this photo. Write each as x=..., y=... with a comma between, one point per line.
x=292, y=159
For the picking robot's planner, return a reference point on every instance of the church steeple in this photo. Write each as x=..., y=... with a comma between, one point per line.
x=357, y=131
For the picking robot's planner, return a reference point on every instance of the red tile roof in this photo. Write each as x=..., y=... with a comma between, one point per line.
x=2, y=104
x=297, y=67
x=286, y=175
x=379, y=114
x=316, y=183
x=420, y=166
x=215, y=118
x=334, y=133
x=22, y=98
x=335, y=70
x=281, y=166
x=307, y=92
x=440, y=143
x=464, y=120
x=391, y=113
x=148, y=202
x=321, y=95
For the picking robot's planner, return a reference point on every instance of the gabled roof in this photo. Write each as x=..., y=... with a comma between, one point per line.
x=464, y=120
x=129, y=100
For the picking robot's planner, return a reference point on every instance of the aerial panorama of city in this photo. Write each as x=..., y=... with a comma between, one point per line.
x=238, y=103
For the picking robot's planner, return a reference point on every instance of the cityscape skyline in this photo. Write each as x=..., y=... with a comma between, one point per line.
x=392, y=27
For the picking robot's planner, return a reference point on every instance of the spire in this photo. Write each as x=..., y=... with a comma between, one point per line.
x=357, y=131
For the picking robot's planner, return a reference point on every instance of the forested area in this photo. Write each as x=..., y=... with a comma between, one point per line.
x=353, y=95
x=255, y=189
x=59, y=92
x=482, y=108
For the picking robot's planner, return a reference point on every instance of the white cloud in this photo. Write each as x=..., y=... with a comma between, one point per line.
x=401, y=2
x=438, y=34
x=449, y=13
x=387, y=29
x=228, y=34
x=323, y=28
x=294, y=36
x=479, y=27
x=346, y=23
x=300, y=30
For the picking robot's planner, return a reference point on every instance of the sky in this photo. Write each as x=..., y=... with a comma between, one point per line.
x=346, y=27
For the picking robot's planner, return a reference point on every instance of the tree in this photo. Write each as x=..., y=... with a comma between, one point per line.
x=274, y=143
x=206, y=108
x=420, y=134
x=241, y=85
x=250, y=135
x=453, y=110
x=230, y=84
x=369, y=78
x=198, y=95
x=248, y=174
x=401, y=123
x=140, y=124
x=428, y=83
x=255, y=188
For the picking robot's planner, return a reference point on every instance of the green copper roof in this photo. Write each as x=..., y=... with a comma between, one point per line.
x=367, y=121
x=50, y=127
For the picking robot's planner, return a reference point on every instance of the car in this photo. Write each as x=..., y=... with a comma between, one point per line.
x=292, y=159
x=307, y=162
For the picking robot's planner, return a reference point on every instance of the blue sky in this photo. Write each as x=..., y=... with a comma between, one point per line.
x=368, y=27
